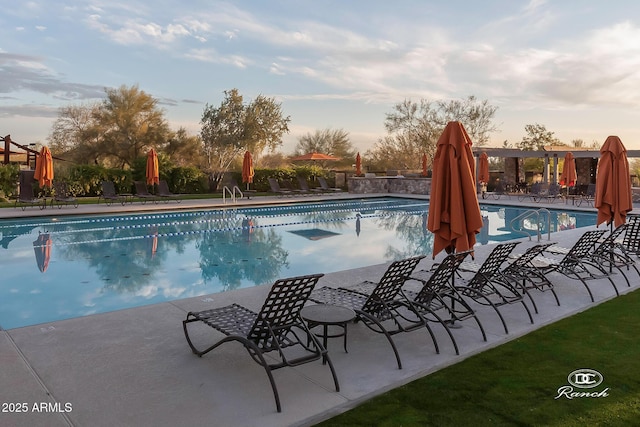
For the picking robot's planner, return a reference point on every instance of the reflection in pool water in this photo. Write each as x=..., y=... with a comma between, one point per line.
x=58, y=268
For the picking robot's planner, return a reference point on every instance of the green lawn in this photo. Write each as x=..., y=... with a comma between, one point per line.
x=517, y=383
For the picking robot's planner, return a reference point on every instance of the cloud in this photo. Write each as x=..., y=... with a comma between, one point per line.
x=28, y=73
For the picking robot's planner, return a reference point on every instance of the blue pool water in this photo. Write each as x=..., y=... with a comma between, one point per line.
x=58, y=268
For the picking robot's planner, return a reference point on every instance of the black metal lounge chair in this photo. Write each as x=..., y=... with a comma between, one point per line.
x=522, y=272
x=62, y=196
x=109, y=194
x=25, y=193
x=487, y=287
x=498, y=191
x=381, y=305
x=577, y=263
x=165, y=193
x=610, y=253
x=142, y=192
x=588, y=197
x=304, y=185
x=290, y=186
x=275, y=188
x=631, y=239
x=325, y=187
x=437, y=293
x=276, y=327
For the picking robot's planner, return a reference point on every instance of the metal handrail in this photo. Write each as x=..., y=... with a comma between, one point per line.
x=529, y=213
x=232, y=194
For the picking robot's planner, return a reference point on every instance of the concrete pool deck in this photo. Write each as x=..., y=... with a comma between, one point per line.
x=134, y=368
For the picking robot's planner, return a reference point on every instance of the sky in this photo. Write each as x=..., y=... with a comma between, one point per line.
x=571, y=65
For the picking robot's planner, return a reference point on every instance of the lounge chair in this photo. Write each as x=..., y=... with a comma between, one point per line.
x=290, y=186
x=25, y=194
x=381, y=305
x=588, y=197
x=522, y=272
x=275, y=328
x=304, y=185
x=62, y=196
x=610, y=253
x=233, y=183
x=498, y=191
x=631, y=239
x=324, y=186
x=437, y=294
x=142, y=192
x=577, y=263
x=275, y=188
x=165, y=193
x=487, y=287
x=109, y=194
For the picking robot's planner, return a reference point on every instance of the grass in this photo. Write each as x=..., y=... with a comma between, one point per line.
x=516, y=384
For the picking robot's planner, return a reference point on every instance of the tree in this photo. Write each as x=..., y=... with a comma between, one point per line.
x=233, y=127
x=113, y=132
x=414, y=129
x=133, y=124
x=537, y=137
x=184, y=149
x=75, y=133
x=334, y=142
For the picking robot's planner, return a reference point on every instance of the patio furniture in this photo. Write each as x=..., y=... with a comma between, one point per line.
x=487, y=287
x=276, y=327
x=438, y=293
x=25, y=193
x=522, y=272
x=142, y=192
x=275, y=188
x=165, y=193
x=304, y=185
x=109, y=194
x=62, y=196
x=498, y=191
x=325, y=187
x=381, y=306
x=328, y=316
x=576, y=263
x=631, y=239
x=588, y=197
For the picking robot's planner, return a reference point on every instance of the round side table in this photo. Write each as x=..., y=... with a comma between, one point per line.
x=326, y=315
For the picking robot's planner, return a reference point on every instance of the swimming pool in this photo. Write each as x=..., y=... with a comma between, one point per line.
x=63, y=267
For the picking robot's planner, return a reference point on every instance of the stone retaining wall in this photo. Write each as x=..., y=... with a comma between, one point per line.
x=382, y=184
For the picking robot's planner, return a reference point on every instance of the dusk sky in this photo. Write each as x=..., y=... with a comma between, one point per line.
x=571, y=65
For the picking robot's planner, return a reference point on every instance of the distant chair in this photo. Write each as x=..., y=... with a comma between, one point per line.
x=62, y=196
x=588, y=197
x=109, y=194
x=302, y=182
x=25, y=195
x=142, y=192
x=325, y=186
x=165, y=193
x=275, y=188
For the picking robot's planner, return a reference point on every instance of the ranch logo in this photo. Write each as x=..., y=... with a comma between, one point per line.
x=585, y=379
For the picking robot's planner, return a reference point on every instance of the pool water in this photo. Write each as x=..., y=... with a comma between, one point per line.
x=64, y=267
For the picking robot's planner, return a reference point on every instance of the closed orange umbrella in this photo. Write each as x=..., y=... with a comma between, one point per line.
x=568, y=176
x=483, y=169
x=42, y=248
x=613, y=183
x=454, y=212
x=44, y=168
x=247, y=169
x=358, y=164
x=424, y=165
x=153, y=170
